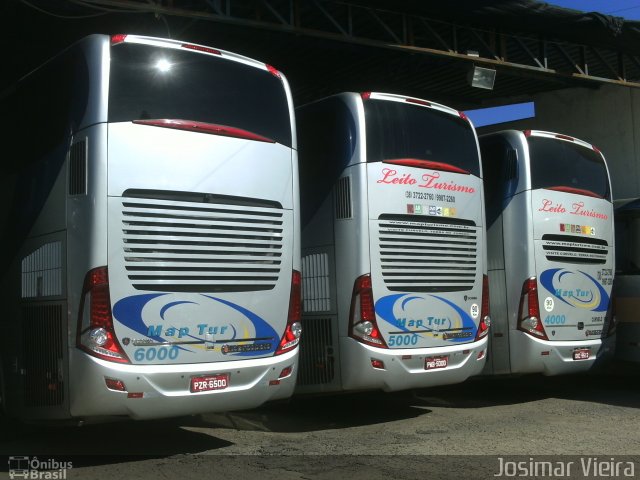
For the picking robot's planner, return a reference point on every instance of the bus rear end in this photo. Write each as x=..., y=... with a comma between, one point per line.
x=192, y=301
x=419, y=312
x=564, y=320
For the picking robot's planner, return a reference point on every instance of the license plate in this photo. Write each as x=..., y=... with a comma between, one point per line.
x=207, y=383
x=431, y=363
x=581, y=354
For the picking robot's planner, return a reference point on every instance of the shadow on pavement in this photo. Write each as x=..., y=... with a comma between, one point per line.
x=615, y=384
x=311, y=413
x=104, y=443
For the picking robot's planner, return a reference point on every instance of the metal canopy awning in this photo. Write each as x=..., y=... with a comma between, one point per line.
x=325, y=46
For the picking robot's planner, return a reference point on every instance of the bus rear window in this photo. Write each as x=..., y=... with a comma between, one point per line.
x=148, y=82
x=401, y=130
x=558, y=164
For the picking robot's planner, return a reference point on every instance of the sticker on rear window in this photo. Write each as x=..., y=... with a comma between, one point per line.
x=548, y=304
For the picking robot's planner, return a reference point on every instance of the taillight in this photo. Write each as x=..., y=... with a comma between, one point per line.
x=98, y=338
x=529, y=320
x=362, y=317
x=293, y=331
x=485, y=318
x=365, y=95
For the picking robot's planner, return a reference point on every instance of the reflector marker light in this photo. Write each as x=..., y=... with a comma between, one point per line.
x=118, y=38
x=379, y=364
x=114, y=384
x=274, y=71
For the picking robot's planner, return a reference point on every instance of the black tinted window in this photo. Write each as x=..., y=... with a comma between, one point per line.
x=627, y=236
x=402, y=130
x=326, y=142
x=558, y=163
x=197, y=87
x=500, y=172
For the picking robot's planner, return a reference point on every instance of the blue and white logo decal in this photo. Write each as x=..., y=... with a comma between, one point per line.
x=570, y=288
x=159, y=317
x=411, y=313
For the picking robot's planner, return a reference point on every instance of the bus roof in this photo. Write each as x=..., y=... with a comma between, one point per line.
x=177, y=44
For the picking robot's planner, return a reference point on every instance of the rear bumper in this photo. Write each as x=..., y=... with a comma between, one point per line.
x=405, y=368
x=532, y=355
x=165, y=389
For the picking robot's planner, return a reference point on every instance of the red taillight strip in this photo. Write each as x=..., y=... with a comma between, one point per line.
x=565, y=137
x=203, y=127
x=419, y=163
x=200, y=48
x=576, y=191
x=365, y=95
x=417, y=101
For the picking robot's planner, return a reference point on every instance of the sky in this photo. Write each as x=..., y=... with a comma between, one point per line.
x=628, y=9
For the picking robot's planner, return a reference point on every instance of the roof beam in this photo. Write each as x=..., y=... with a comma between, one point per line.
x=220, y=11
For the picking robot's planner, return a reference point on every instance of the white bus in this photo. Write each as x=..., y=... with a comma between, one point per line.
x=394, y=261
x=626, y=288
x=550, y=251
x=151, y=233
